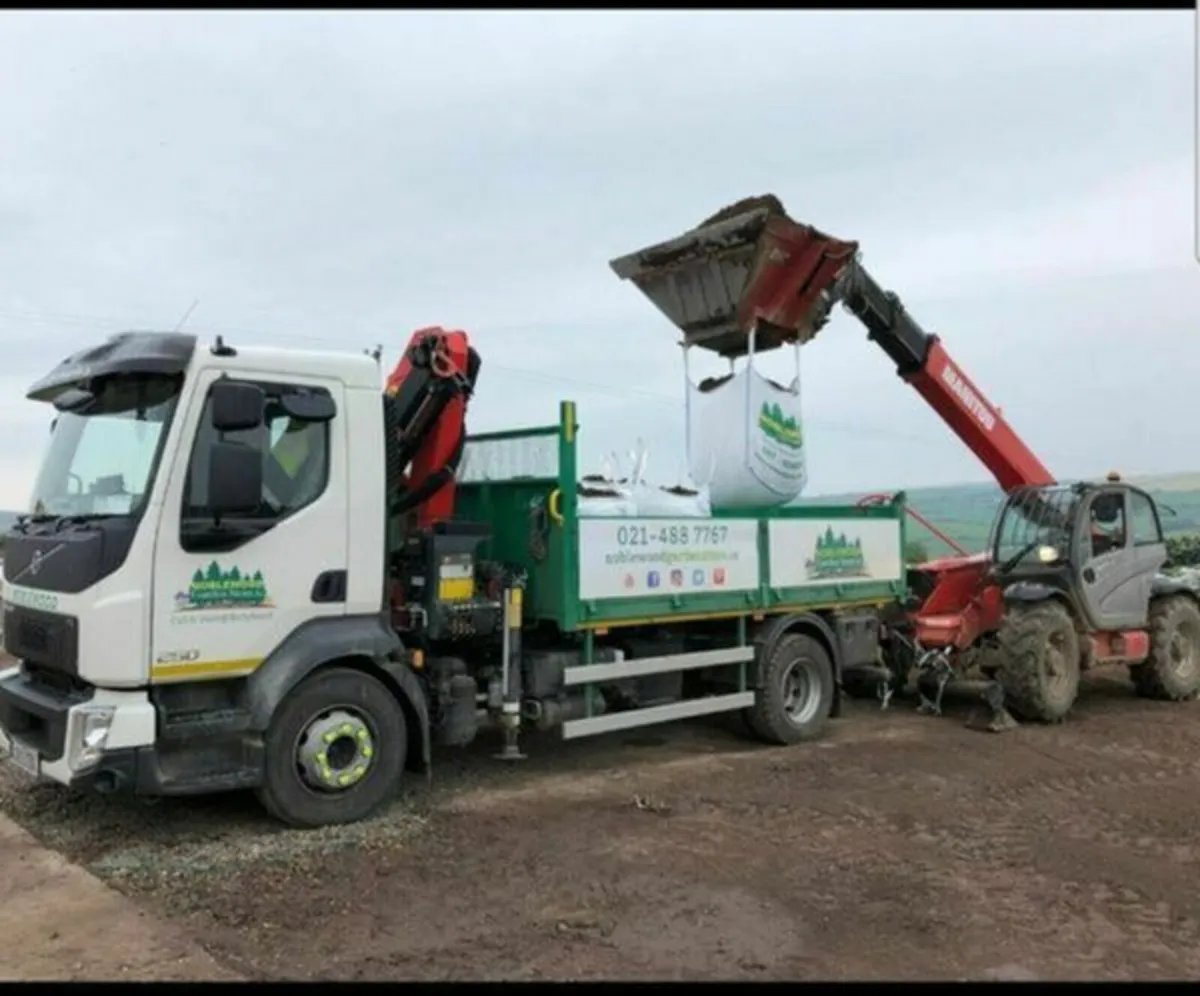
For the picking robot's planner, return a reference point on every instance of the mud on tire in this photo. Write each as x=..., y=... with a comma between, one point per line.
x=1039, y=661
x=793, y=692
x=314, y=708
x=1172, y=672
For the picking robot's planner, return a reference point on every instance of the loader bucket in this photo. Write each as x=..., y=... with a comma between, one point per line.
x=749, y=267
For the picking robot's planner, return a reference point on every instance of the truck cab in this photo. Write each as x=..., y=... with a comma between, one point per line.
x=167, y=542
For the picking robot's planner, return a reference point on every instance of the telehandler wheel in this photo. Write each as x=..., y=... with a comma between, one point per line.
x=1039, y=661
x=1172, y=672
x=793, y=693
x=335, y=750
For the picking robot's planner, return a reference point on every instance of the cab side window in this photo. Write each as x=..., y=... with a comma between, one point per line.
x=1108, y=525
x=295, y=458
x=1146, y=528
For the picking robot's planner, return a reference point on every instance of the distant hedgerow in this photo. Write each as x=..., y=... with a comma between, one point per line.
x=1183, y=551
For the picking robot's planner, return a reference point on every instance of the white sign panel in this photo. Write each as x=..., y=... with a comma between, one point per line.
x=633, y=558
x=833, y=551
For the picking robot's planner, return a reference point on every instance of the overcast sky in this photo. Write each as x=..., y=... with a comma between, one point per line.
x=1025, y=182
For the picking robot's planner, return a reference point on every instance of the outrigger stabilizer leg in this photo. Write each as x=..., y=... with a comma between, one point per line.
x=510, y=709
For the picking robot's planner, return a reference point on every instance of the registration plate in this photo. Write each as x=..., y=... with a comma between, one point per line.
x=25, y=758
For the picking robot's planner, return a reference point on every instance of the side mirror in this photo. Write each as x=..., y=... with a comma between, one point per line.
x=235, y=478
x=236, y=407
x=308, y=407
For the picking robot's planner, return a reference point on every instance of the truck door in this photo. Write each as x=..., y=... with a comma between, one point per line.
x=1116, y=571
x=227, y=594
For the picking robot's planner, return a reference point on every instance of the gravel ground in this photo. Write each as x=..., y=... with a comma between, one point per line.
x=900, y=847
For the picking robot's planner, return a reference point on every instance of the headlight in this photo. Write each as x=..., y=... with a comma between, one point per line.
x=91, y=735
x=1047, y=554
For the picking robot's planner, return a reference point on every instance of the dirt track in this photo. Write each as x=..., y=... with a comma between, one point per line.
x=58, y=923
x=902, y=847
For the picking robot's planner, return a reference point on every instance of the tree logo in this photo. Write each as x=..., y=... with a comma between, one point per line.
x=215, y=588
x=778, y=427
x=836, y=556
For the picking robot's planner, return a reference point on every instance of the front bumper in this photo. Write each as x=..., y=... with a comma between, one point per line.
x=80, y=735
x=105, y=740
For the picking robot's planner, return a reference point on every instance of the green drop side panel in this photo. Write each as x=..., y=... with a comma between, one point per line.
x=593, y=572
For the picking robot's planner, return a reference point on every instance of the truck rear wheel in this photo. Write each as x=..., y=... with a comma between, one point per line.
x=794, y=692
x=1172, y=672
x=335, y=750
x=1039, y=661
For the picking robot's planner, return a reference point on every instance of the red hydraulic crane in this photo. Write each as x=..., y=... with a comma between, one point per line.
x=426, y=405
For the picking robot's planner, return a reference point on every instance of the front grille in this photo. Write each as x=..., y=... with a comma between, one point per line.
x=45, y=638
x=33, y=637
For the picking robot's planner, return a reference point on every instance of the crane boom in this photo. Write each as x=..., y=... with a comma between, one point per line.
x=924, y=363
x=751, y=277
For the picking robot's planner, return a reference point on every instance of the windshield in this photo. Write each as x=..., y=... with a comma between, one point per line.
x=1034, y=518
x=102, y=456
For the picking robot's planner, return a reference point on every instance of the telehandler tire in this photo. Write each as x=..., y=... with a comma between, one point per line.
x=335, y=750
x=1039, y=661
x=1172, y=671
x=793, y=692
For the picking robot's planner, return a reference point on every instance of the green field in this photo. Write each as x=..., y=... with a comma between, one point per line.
x=965, y=511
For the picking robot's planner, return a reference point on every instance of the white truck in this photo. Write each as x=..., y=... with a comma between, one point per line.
x=251, y=568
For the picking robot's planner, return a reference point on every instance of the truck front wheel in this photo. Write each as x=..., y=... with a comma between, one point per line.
x=793, y=693
x=335, y=750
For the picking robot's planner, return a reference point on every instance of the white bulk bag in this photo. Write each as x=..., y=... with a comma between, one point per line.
x=604, y=495
x=605, y=502
x=745, y=438
x=676, y=503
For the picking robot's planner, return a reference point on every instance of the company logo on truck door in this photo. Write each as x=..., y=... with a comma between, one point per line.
x=217, y=588
x=836, y=556
x=778, y=427
x=970, y=400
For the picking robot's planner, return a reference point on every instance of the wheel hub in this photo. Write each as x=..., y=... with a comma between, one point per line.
x=335, y=751
x=801, y=694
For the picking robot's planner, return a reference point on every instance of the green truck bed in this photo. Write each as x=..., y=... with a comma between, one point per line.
x=589, y=572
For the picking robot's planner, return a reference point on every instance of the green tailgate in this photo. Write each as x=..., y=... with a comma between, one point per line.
x=590, y=572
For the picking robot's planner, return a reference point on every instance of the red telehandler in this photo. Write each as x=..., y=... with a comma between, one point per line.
x=1071, y=577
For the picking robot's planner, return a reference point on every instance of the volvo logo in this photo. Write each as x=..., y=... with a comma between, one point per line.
x=35, y=563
